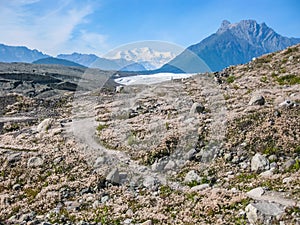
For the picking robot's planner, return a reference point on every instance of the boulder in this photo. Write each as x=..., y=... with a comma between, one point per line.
x=197, y=108
x=45, y=125
x=119, y=89
x=259, y=163
x=35, y=162
x=150, y=182
x=192, y=176
x=114, y=176
x=257, y=100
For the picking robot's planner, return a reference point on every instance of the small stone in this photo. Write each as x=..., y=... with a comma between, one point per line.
x=243, y=165
x=273, y=166
x=197, y=108
x=127, y=221
x=291, y=58
x=104, y=199
x=257, y=100
x=235, y=160
x=85, y=191
x=16, y=187
x=129, y=213
x=114, y=176
x=273, y=158
x=192, y=176
x=96, y=204
x=228, y=156
x=35, y=162
x=259, y=163
x=287, y=180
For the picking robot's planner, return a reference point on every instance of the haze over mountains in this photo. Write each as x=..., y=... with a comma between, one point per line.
x=232, y=44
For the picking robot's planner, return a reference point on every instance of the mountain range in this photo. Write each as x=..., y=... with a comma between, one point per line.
x=232, y=44
x=149, y=58
x=19, y=54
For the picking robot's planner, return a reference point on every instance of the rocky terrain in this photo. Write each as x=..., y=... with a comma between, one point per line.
x=217, y=148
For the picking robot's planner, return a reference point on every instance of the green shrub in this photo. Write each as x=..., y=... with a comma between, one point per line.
x=101, y=127
x=290, y=79
x=230, y=79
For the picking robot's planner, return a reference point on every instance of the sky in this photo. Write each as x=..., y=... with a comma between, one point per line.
x=97, y=26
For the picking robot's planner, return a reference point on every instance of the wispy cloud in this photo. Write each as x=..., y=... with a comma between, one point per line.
x=51, y=28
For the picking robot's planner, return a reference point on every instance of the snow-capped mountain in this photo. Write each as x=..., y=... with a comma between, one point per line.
x=149, y=58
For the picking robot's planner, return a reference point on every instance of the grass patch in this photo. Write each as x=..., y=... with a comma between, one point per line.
x=264, y=79
x=101, y=127
x=230, y=79
x=290, y=79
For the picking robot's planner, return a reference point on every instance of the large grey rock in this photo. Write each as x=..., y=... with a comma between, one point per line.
x=150, y=182
x=259, y=163
x=192, y=176
x=197, y=108
x=113, y=176
x=45, y=125
x=257, y=100
x=35, y=162
x=263, y=212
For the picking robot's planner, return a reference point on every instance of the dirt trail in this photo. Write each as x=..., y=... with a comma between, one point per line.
x=83, y=127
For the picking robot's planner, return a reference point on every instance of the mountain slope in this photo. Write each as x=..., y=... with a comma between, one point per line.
x=55, y=61
x=233, y=44
x=19, y=54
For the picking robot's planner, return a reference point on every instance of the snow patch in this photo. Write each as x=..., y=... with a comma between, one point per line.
x=152, y=78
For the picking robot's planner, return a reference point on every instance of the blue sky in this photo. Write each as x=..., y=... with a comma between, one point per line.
x=90, y=26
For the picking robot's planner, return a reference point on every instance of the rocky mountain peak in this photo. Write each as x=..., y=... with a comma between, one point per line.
x=224, y=26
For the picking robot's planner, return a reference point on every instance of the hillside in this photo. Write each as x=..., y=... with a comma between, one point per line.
x=56, y=61
x=215, y=148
